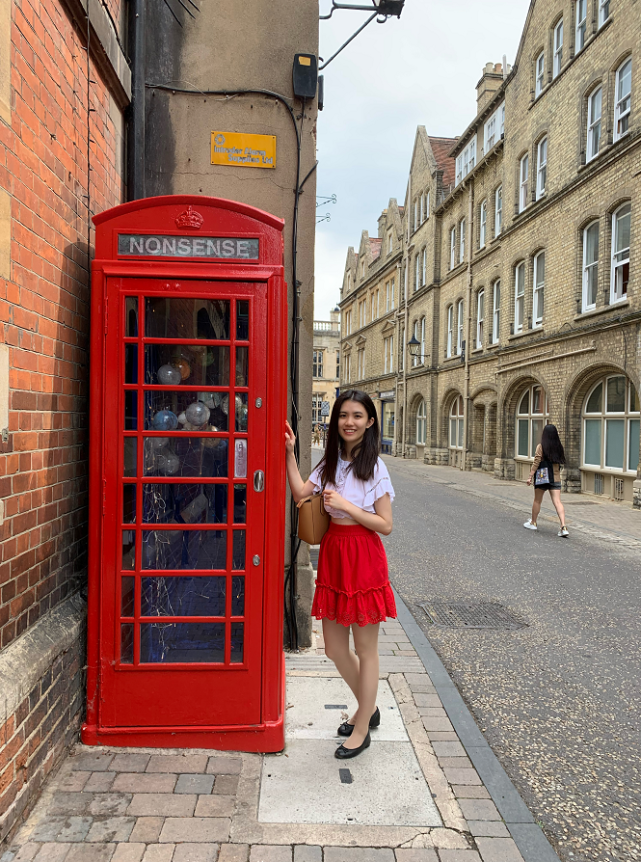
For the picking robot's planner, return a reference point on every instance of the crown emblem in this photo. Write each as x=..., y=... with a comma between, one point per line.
x=189, y=219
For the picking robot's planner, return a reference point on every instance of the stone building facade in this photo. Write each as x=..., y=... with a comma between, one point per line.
x=521, y=272
x=325, y=365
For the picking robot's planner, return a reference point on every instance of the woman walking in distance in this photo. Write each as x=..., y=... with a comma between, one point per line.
x=549, y=456
x=352, y=586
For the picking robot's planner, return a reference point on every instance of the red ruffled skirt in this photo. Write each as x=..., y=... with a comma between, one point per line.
x=352, y=583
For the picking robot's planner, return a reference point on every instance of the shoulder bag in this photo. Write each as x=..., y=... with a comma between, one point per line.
x=544, y=474
x=313, y=520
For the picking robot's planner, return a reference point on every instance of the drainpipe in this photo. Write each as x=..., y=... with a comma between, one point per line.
x=405, y=293
x=468, y=333
x=136, y=112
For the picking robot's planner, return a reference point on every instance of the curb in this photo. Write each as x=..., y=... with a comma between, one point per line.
x=528, y=835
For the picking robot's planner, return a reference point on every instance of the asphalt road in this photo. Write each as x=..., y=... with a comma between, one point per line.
x=558, y=701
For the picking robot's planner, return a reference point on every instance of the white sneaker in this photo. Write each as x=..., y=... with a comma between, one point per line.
x=530, y=526
x=563, y=533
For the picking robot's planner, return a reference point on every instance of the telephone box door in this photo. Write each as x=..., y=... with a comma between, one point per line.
x=184, y=468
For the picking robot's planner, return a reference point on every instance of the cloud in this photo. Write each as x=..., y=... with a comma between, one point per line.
x=419, y=70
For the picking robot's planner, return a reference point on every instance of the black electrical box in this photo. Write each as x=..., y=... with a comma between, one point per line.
x=305, y=76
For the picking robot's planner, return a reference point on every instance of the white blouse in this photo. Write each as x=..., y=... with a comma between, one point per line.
x=361, y=494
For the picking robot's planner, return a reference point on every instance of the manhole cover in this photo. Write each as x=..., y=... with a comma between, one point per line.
x=472, y=615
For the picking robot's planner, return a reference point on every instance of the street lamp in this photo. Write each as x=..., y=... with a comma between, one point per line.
x=382, y=10
x=414, y=346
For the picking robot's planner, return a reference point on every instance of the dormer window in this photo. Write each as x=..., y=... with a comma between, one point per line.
x=466, y=161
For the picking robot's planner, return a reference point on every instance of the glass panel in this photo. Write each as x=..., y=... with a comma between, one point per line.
x=182, y=317
x=240, y=504
x=536, y=400
x=240, y=459
x=128, y=549
x=238, y=560
x=614, y=433
x=183, y=597
x=460, y=433
x=131, y=363
x=242, y=319
x=241, y=411
x=191, y=365
x=523, y=437
x=535, y=439
x=182, y=642
x=237, y=596
x=524, y=406
x=127, y=643
x=131, y=316
x=131, y=410
x=452, y=433
x=622, y=238
x=592, y=454
x=188, y=504
x=128, y=504
x=184, y=549
x=130, y=466
x=127, y=595
x=633, y=445
x=242, y=366
x=186, y=456
x=171, y=410
x=616, y=395
x=634, y=400
x=237, y=642
x=595, y=401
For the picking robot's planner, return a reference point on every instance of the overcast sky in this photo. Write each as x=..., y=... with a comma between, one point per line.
x=419, y=70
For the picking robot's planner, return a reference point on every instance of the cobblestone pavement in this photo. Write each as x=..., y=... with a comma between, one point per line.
x=141, y=805
x=557, y=700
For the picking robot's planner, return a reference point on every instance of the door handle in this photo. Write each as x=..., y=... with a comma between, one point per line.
x=259, y=480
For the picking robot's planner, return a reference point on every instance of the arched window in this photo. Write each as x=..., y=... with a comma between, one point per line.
x=622, y=90
x=595, y=107
x=590, y=265
x=531, y=417
x=611, y=426
x=540, y=74
x=421, y=423
x=422, y=339
x=424, y=268
x=416, y=359
x=480, y=314
x=450, y=329
x=483, y=225
x=496, y=311
x=459, y=334
x=456, y=424
x=620, y=271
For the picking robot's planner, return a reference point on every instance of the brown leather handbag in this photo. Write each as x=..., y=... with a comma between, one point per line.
x=313, y=520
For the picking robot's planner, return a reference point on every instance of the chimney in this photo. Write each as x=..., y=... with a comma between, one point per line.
x=382, y=221
x=490, y=82
x=334, y=316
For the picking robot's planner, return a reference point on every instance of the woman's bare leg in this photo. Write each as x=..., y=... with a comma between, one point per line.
x=536, y=505
x=558, y=505
x=336, y=639
x=366, y=643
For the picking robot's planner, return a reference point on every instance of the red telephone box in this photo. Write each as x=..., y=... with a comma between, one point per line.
x=187, y=488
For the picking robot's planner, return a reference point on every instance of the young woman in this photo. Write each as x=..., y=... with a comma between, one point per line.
x=352, y=584
x=550, y=449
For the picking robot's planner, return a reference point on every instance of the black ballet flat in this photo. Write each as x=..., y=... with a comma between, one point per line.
x=343, y=753
x=346, y=729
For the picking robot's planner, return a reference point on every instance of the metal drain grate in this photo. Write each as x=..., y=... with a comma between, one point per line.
x=472, y=615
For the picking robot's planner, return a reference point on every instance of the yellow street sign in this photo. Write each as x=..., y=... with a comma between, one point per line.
x=240, y=150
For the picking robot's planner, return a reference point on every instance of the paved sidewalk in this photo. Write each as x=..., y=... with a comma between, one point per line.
x=428, y=790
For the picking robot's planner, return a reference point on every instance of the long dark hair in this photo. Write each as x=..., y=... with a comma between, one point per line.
x=552, y=446
x=365, y=455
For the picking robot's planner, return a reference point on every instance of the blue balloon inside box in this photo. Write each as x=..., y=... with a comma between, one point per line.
x=165, y=420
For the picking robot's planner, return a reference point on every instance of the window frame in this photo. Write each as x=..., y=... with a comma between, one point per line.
x=390, y=242
x=593, y=125
x=483, y=223
x=539, y=74
x=581, y=26
x=388, y=352
x=496, y=311
x=628, y=416
x=452, y=247
x=417, y=271
x=530, y=417
x=615, y=266
x=457, y=424
x=624, y=114
x=498, y=211
x=450, y=331
x=480, y=317
x=557, y=60
x=588, y=266
x=519, y=297
x=462, y=227
x=422, y=340
x=424, y=266
x=421, y=423
x=460, y=324
x=317, y=364
x=524, y=181
x=538, y=290
x=603, y=17
x=541, y=167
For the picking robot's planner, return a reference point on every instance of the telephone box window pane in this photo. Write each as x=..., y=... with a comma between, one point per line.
x=242, y=319
x=190, y=365
x=237, y=642
x=186, y=456
x=238, y=561
x=184, y=549
x=241, y=411
x=593, y=442
x=130, y=465
x=127, y=597
x=240, y=504
x=127, y=643
x=189, y=504
x=131, y=316
x=171, y=410
x=183, y=597
x=128, y=549
x=633, y=445
x=131, y=410
x=166, y=643
x=238, y=596
x=131, y=363
x=128, y=504
x=181, y=317
x=614, y=432
x=242, y=366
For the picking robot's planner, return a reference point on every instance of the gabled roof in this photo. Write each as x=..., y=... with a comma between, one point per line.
x=441, y=148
